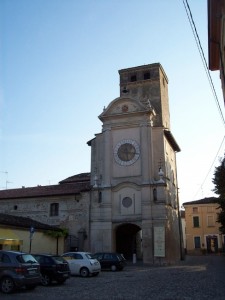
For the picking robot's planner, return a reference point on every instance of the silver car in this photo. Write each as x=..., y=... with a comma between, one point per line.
x=82, y=264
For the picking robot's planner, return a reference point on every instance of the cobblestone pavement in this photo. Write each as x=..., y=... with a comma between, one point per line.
x=198, y=277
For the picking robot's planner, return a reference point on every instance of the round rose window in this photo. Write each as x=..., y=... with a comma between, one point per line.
x=127, y=202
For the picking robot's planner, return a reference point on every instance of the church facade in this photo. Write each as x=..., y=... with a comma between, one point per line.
x=129, y=202
x=134, y=200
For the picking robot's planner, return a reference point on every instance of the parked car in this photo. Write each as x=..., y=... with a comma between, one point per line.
x=110, y=261
x=18, y=269
x=82, y=263
x=53, y=268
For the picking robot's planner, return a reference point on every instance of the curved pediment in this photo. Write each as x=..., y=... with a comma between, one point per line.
x=126, y=184
x=124, y=105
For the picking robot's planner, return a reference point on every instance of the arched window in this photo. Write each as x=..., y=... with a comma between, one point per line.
x=100, y=197
x=155, y=194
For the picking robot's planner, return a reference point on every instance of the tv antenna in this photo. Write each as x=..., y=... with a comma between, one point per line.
x=6, y=181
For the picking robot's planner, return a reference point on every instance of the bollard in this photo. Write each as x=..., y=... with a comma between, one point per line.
x=134, y=258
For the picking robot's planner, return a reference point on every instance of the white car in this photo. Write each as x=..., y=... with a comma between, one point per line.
x=82, y=263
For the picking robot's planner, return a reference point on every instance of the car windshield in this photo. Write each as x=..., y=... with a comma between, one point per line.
x=59, y=259
x=121, y=255
x=88, y=255
x=26, y=258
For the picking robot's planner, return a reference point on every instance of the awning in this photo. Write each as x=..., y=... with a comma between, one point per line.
x=8, y=237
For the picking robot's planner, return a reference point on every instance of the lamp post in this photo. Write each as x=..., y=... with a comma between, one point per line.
x=31, y=237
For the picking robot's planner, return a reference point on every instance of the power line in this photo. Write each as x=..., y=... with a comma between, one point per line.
x=201, y=52
x=210, y=167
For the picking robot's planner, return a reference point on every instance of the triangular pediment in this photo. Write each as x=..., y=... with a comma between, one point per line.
x=124, y=106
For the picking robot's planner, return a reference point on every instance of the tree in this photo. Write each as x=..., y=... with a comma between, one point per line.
x=60, y=232
x=219, y=182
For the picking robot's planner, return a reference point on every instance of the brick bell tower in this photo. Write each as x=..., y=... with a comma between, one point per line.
x=134, y=201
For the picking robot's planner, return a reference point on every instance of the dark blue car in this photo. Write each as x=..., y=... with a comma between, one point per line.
x=18, y=269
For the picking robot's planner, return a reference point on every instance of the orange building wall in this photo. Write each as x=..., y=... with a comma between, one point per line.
x=205, y=229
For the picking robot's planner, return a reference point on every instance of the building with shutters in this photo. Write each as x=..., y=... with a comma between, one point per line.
x=202, y=230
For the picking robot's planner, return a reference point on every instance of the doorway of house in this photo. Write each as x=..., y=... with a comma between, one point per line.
x=212, y=243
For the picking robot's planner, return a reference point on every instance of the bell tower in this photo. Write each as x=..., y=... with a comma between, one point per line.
x=134, y=201
x=148, y=84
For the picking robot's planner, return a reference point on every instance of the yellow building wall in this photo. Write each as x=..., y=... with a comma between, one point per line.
x=19, y=239
x=208, y=226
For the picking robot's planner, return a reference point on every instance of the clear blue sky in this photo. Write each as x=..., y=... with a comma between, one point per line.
x=59, y=62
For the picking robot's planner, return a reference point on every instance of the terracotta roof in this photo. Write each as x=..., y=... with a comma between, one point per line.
x=202, y=201
x=23, y=222
x=49, y=190
x=77, y=178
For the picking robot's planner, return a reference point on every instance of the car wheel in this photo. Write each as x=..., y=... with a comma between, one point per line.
x=45, y=279
x=7, y=285
x=84, y=272
x=113, y=268
x=95, y=274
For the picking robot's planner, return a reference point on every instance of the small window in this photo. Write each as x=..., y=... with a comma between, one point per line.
x=146, y=75
x=196, y=221
x=54, y=209
x=154, y=194
x=100, y=197
x=197, y=242
x=133, y=78
x=127, y=202
x=195, y=210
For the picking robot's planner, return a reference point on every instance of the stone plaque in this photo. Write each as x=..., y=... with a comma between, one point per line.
x=159, y=241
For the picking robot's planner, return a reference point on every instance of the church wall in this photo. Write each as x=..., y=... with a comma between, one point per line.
x=101, y=236
x=158, y=150
x=172, y=236
x=147, y=241
x=97, y=167
x=164, y=99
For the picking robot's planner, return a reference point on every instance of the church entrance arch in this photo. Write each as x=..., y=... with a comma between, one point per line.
x=129, y=240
